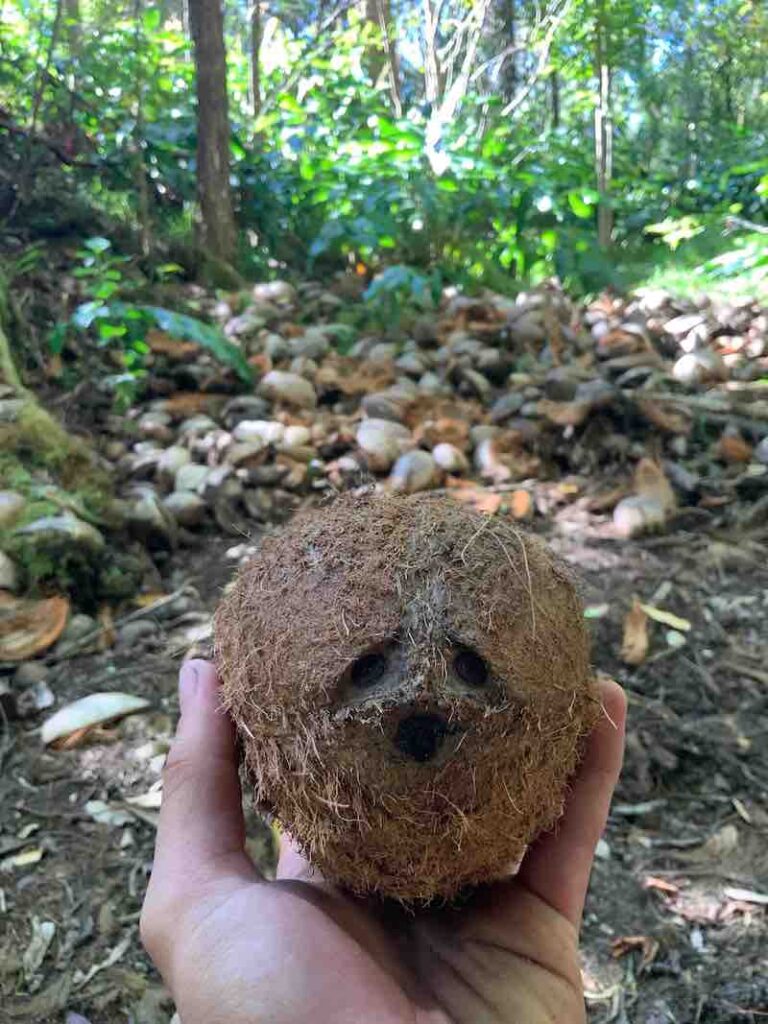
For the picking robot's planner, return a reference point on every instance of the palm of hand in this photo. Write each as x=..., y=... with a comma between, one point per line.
x=295, y=951
x=235, y=949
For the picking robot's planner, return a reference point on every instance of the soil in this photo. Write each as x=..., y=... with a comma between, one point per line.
x=675, y=927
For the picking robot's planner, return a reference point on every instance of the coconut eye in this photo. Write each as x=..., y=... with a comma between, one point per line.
x=470, y=668
x=368, y=670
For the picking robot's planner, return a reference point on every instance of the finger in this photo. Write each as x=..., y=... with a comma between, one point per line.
x=201, y=830
x=557, y=867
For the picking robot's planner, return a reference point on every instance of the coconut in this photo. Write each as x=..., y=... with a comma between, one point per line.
x=411, y=684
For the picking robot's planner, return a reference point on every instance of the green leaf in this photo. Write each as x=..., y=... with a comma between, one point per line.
x=580, y=205
x=190, y=329
x=98, y=244
x=87, y=312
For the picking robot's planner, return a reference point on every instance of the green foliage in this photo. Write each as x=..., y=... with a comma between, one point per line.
x=114, y=323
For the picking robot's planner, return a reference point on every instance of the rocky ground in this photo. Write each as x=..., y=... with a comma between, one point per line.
x=633, y=434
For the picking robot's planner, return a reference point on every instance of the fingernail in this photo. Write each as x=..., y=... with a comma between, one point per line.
x=189, y=683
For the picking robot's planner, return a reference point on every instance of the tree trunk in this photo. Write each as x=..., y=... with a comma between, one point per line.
x=508, y=78
x=217, y=222
x=603, y=128
x=383, y=56
x=554, y=86
x=74, y=31
x=256, y=57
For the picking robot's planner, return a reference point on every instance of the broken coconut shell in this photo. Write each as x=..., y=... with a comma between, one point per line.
x=411, y=683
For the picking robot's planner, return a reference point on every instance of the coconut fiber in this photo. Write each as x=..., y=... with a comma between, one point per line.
x=411, y=684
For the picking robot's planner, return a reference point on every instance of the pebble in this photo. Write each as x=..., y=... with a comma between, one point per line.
x=296, y=437
x=382, y=352
x=414, y=471
x=244, y=407
x=265, y=431
x=186, y=507
x=313, y=344
x=148, y=520
x=244, y=452
x=11, y=506
x=9, y=577
x=190, y=477
x=30, y=674
x=506, y=406
x=450, y=458
x=383, y=405
x=761, y=451
x=156, y=426
x=170, y=462
x=289, y=388
x=382, y=441
x=196, y=425
x=64, y=530
x=277, y=348
x=136, y=631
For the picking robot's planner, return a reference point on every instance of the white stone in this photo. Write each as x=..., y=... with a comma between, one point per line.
x=289, y=388
x=414, y=471
x=449, y=458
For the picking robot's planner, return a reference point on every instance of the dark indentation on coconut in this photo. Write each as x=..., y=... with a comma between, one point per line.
x=470, y=667
x=420, y=737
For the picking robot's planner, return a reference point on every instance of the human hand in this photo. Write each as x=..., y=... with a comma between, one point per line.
x=236, y=949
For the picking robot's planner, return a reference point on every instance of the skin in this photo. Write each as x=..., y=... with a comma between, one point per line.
x=236, y=949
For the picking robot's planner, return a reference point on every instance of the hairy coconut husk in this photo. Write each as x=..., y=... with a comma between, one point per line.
x=411, y=682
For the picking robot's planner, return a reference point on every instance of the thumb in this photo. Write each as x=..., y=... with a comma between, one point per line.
x=201, y=833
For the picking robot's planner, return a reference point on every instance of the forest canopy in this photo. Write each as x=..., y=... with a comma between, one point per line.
x=493, y=142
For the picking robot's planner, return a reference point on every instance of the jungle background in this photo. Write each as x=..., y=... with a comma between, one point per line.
x=253, y=254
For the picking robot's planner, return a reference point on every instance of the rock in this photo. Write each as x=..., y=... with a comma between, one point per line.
x=280, y=292
x=169, y=464
x=425, y=331
x=411, y=363
x=30, y=674
x=303, y=366
x=9, y=577
x=477, y=383
x=450, y=458
x=289, y=388
x=385, y=405
x=699, y=366
x=383, y=352
x=34, y=699
x=114, y=449
x=134, y=632
x=245, y=326
x=507, y=406
x=156, y=426
x=482, y=432
x=245, y=407
x=141, y=463
x=313, y=344
x=560, y=384
x=11, y=506
x=190, y=477
x=246, y=452
x=382, y=441
x=259, y=504
x=681, y=326
x=195, y=426
x=78, y=627
x=65, y=530
x=639, y=514
x=218, y=481
x=527, y=328
x=761, y=451
x=277, y=347
x=253, y=431
x=264, y=476
x=186, y=507
x=431, y=384
x=414, y=471
x=10, y=409
x=149, y=521
x=296, y=437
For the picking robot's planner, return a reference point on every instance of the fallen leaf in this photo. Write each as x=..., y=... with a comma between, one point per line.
x=666, y=618
x=634, y=646
x=733, y=448
x=628, y=943
x=190, y=403
x=479, y=499
x=147, y=600
x=521, y=504
x=80, y=980
x=177, y=351
x=29, y=627
x=42, y=937
x=661, y=885
x=651, y=504
x=104, y=814
x=108, y=635
x=663, y=417
x=747, y=896
x=95, y=709
x=565, y=414
x=32, y=855
x=596, y=611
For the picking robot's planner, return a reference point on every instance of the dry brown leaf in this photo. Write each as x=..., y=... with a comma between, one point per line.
x=732, y=448
x=565, y=414
x=661, y=885
x=29, y=627
x=190, y=403
x=162, y=344
x=443, y=430
x=521, y=504
x=479, y=499
x=651, y=482
x=627, y=943
x=634, y=646
x=607, y=500
x=663, y=417
x=352, y=377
